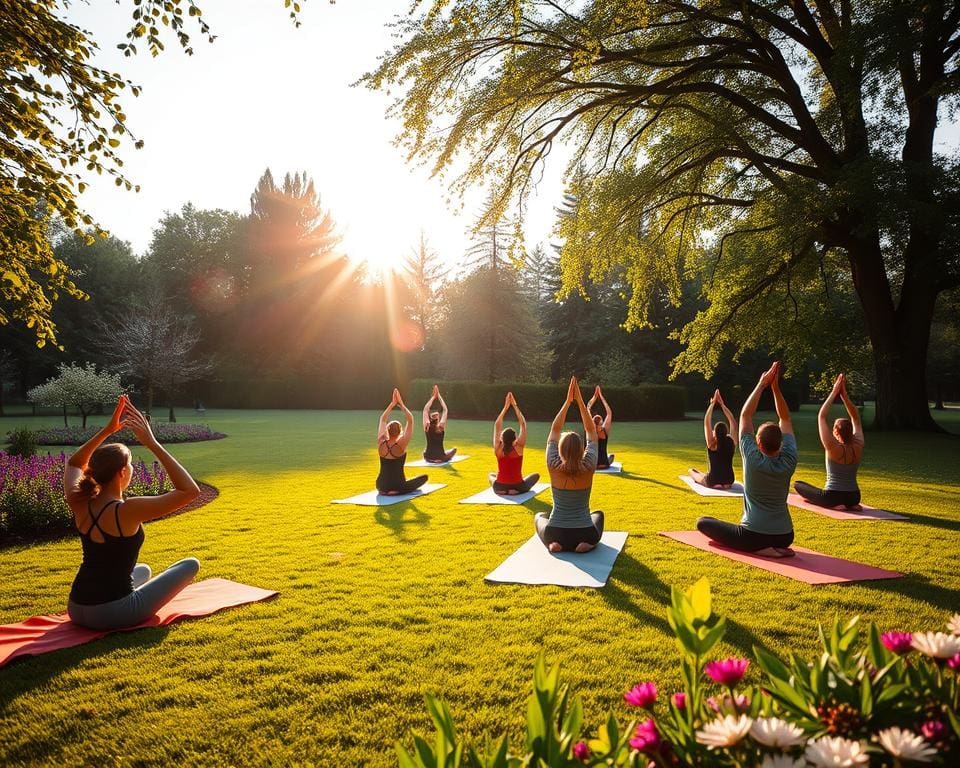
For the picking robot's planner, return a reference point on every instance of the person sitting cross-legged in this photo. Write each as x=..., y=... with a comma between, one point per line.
x=769, y=460
x=721, y=444
x=435, y=427
x=508, y=448
x=392, y=442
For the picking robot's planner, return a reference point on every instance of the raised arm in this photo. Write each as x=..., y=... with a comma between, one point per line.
x=827, y=440
x=852, y=411
x=561, y=416
x=608, y=420
x=750, y=407
x=783, y=410
x=385, y=416
x=77, y=463
x=407, y=433
x=708, y=424
x=592, y=400
x=589, y=428
x=498, y=424
x=522, y=434
x=443, y=410
x=426, y=410
x=731, y=422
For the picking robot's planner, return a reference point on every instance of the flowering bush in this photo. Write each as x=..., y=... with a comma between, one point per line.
x=31, y=492
x=165, y=432
x=881, y=700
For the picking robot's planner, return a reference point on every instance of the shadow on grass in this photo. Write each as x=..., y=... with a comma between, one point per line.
x=395, y=517
x=918, y=588
x=928, y=521
x=641, y=478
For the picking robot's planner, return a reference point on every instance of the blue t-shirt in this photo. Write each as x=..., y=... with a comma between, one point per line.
x=766, y=483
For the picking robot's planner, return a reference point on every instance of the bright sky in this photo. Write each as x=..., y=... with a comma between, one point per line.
x=265, y=94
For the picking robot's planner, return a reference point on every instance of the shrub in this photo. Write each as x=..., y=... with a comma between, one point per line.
x=882, y=700
x=23, y=442
x=165, y=432
x=475, y=399
x=31, y=493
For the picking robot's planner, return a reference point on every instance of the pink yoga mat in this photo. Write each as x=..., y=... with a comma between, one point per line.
x=807, y=566
x=52, y=632
x=839, y=513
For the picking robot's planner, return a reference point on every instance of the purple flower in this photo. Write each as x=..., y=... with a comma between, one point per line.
x=933, y=730
x=680, y=700
x=898, y=642
x=642, y=695
x=581, y=751
x=645, y=737
x=727, y=672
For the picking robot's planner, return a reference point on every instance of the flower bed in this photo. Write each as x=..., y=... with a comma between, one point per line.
x=884, y=700
x=31, y=493
x=164, y=431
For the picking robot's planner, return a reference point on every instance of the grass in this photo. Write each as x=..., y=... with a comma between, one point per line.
x=379, y=605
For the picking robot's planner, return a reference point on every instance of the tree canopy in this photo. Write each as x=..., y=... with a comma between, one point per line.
x=784, y=151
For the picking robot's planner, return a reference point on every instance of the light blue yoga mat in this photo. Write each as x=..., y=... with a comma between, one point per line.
x=533, y=563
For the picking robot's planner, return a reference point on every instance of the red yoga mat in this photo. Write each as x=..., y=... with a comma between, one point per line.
x=42, y=634
x=839, y=513
x=807, y=566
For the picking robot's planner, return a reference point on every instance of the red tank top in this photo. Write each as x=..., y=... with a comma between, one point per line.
x=508, y=468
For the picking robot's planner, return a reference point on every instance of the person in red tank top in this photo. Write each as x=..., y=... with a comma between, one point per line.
x=508, y=447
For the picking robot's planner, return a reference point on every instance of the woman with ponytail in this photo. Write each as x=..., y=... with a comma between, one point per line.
x=570, y=525
x=843, y=448
x=721, y=445
x=508, y=448
x=111, y=590
x=603, y=424
x=434, y=427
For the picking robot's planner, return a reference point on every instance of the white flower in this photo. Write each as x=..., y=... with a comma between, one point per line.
x=900, y=742
x=836, y=752
x=939, y=645
x=774, y=732
x=954, y=624
x=781, y=761
x=724, y=732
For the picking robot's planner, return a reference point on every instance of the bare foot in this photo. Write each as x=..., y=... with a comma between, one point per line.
x=778, y=552
x=584, y=546
x=554, y=546
x=512, y=492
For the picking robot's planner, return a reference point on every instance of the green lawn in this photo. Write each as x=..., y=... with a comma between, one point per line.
x=379, y=605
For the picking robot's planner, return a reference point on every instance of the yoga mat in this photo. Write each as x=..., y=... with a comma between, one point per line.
x=425, y=463
x=42, y=634
x=533, y=563
x=735, y=490
x=614, y=469
x=489, y=497
x=807, y=566
x=839, y=513
x=375, y=499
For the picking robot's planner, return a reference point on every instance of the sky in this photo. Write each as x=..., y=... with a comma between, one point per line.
x=266, y=94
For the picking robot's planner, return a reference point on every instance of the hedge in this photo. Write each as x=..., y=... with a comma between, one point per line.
x=476, y=399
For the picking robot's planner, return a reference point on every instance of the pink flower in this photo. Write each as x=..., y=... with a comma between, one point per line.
x=738, y=704
x=933, y=730
x=642, y=695
x=954, y=662
x=645, y=738
x=680, y=700
x=898, y=642
x=581, y=751
x=727, y=672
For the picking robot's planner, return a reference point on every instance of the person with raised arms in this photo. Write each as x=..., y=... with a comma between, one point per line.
x=769, y=460
x=392, y=442
x=603, y=428
x=843, y=450
x=721, y=445
x=112, y=590
x=434, y=426
x=508, y=448
x=570, y=525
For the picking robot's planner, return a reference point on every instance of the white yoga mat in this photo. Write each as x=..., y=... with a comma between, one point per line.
x=735, y=490
x=489, y=497
x=425, y=463
x=614, y=469
x=533, y=563
x=375, y=499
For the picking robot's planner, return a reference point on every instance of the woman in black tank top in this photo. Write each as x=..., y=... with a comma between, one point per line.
x=392, y=442
x=111, y=590
x=721, y=442
x=435, y=426
x=603, y=425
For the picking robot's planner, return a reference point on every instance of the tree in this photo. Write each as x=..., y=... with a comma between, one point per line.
x=775, y=148
x=77, y=386
x=424, y=276
x=59, y=115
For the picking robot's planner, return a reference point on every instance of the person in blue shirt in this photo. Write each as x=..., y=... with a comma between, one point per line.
x=769, y=460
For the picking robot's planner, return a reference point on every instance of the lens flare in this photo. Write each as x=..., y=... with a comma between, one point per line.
x=406, y=336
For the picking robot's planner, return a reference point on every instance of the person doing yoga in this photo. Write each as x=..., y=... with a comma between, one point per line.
x=843, y=449
x=112, y=590
x=392, y=442
x=721, y=441
x=508, y=448
x=570, y=526
x=603, y=429
x=435, y=425
x=769, y=460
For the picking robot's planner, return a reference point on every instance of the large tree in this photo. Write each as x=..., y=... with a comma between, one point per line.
x=777, y=147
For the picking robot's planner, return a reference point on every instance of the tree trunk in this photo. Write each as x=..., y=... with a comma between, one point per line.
x=149, y=398
x=83, y=415
x=173, y=416
x=65, y=416
x=939, y=406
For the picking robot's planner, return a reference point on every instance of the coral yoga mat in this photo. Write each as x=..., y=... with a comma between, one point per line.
x=839, y=513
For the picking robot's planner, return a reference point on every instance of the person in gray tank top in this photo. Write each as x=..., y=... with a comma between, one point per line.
x=843, y=450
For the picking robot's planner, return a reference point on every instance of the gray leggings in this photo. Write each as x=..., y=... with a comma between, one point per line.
x=148, y=596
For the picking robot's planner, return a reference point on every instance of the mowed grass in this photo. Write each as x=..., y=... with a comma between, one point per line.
x=379, y=605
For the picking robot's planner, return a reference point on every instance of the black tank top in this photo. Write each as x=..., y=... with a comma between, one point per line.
x=434, y=445
x=602, y=457
x=106, y=573
x=721, y=462
x=391, y=477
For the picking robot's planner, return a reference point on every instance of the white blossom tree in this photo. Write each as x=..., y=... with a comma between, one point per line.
x=77, y=386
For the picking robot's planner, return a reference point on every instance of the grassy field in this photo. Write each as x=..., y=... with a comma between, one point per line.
x=379, y=605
